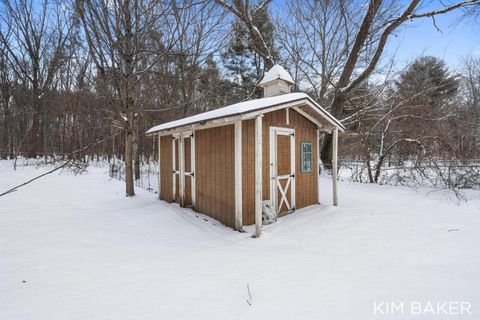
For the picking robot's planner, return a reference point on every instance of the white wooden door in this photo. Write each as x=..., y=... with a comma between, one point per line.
x=183, y=153
x=189, y=168
x=282, y=169
x=176, y=168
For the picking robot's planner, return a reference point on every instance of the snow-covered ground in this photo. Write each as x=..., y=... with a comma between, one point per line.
x=73, y=247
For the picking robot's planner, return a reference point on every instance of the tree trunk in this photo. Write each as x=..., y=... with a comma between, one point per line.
x=378, y=169
x=326, y=152
x=43, y=133
x=130, y=191
x=379, y=165
x=32, y=139
x=136, y=157
x=338, y=105
x=368, y=161
x=5, y=136
x=136, y=149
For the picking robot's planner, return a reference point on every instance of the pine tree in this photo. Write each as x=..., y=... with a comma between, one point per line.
x=244, y=66
x=429, y=78
x=214, y=91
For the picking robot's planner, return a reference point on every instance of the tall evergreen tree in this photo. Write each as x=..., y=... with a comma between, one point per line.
x=427, y=90
x=243, y=64
x=429, y=78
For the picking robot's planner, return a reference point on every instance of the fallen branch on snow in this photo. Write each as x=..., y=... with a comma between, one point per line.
x=249, y=300
x=72, y=158
x=38, y=177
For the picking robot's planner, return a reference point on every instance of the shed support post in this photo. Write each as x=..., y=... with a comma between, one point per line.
x=318, y=166
x=335, y=165
x=192, y=166
x=175, y=168
x=181, y=180
x=238, y=176
x=258, y=176
x=159, y=168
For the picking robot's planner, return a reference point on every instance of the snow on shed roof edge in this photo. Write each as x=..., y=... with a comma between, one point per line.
x=239, y=109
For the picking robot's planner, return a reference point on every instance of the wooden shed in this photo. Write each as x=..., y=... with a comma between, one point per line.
x=224, y=163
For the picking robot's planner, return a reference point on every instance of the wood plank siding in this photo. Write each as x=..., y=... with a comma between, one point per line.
x=306, y=182
x=215, y=173
x=215, y=167
x=166, y=168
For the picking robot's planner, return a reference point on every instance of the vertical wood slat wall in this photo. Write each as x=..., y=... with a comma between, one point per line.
x=215, y=173
x=306, y=182
x=215, y=167
x=166, y=168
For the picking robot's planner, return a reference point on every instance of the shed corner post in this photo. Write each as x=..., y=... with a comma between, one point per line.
x=335, y=165
x=181, y=179
x=258, y=175
x=159, y=167
x=238, y=176
x=174, y=169
x=193, y=167
x=318, y=166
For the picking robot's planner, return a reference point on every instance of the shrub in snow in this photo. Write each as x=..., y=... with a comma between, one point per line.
x=268, y=213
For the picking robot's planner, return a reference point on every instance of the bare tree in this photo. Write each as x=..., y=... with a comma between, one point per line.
x=6, y=136
x=315, y=39
x=118, y=34
x=470, y=99
x=35, y=39
x=245, y=11
x=373, y=32
x=198, y=34
x=356, y=44
x=409, y=118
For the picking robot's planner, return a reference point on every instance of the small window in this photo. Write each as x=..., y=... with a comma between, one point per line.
x=306, y=160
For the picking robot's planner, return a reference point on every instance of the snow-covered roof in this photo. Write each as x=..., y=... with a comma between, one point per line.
x=244, y=108
x=276, y=72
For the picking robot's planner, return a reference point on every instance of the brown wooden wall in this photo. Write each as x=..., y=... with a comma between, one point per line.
x=215, y=173
x=166, y=168
x=306, y=183
x=215, y=167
